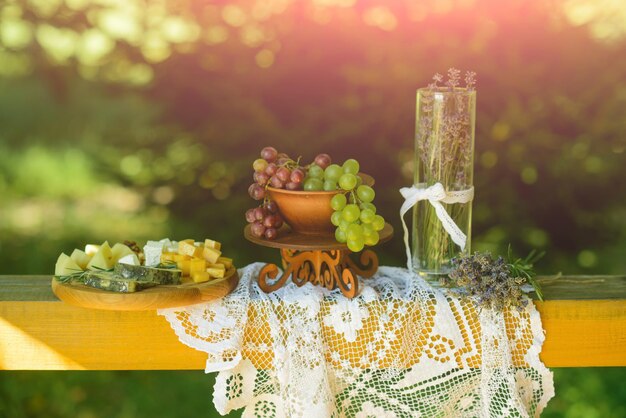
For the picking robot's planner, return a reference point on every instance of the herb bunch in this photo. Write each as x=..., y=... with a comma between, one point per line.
x=494, y=283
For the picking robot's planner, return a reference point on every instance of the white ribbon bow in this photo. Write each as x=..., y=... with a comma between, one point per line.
x=435, y=194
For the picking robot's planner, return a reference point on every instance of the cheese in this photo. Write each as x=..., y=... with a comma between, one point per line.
x=103, y=259
x=91, y=249
x=187, y=248
x=152, y=252
x=216, y=272
x=200, y=276
x=80, y=258
x=66, y=266
x=211, y=254
x=184, y=266
x=227, y=262
x=196, y=265
x=114, y=283
x=209, y=243
x=149, y=274
x=120, y=250
x=130, y=259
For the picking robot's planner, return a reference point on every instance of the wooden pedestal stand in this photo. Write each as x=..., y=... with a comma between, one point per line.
x=318, y=259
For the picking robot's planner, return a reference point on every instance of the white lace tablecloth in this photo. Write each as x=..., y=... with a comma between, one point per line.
x=400, y=349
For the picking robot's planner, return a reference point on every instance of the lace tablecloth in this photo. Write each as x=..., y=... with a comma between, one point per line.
x=400, y=349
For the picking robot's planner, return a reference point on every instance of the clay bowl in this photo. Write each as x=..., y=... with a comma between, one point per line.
x=308, y=212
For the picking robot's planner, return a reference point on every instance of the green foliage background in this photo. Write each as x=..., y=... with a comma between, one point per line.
x=139, y=120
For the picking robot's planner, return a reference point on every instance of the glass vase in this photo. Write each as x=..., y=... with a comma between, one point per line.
x=444, y=153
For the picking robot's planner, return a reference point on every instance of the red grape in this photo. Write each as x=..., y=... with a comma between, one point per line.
x=262, y=178
x=268, y=221
x=293, y=186
x=323, y=160
x=271, y=169
x=276, y=183
x=283, y=174
x=271, y=233
x=269, y=154
x=297, y=175
x=257, y=229
x=282, y=155
x=271, y=206
x=278, y=221
x=256, y=192
x=280, y=161
x=250, y=216
x=259, y=214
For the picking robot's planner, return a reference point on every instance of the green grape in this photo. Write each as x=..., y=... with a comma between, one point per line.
x=338, y=202
x=355, y=232
x=316, y=172
x=330, y=185
x=367, y=216
x=369, y=206
x=340, y=235
x=351, y=166
x=359, y=181
x=351, y=212
x=333, y=172
x=356, y=245
x=378, y=223
x=313, y=185
x=365, y=193
x=372, y=239
x=347, y=181
x=336, y=217
x=344, y=225
x=368, y=229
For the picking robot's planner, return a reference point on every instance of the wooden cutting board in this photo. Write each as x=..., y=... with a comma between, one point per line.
x=158, y=297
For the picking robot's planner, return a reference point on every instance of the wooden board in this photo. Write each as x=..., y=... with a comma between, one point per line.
x=158, y=297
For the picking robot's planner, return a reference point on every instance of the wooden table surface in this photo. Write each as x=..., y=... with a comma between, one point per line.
x=584, y=318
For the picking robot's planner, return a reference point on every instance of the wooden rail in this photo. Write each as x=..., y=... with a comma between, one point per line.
x=584, y=318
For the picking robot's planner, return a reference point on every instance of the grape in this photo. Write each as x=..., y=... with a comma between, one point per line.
x=340, y=235
x=259, y=214
x=276, y=183
x=283, y=174
x=259, y=165
x=333, y=172
x=271, y=206
x=250, y=218
x=268, y=221
x=313, y=185
x=378, y=223
x=367, y=216
x=278, y=221
x=271, y=169
x=257, y=229
x=351, y=212
x=260, y=178
x=282, y=155
x=315, y=171
x=355, y=232
x=347, y=181
x=292, y=186
x=335, y=218
x=330, y=185
x=372, y=239
x=338, y=202
x=256, y=192
x=365, y=193
x=351, y=166
x=344, y=225
x=369, y=206
x=323, y=160
x=297, y=175
x=269, y=154
x=271, y=233
x=368, y=229
x=356, y=245
x=359, y=181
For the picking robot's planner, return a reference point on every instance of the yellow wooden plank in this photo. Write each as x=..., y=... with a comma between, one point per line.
x=55, y=336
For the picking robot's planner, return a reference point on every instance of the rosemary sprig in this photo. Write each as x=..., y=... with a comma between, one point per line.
x=524, y=268
x=79, y=276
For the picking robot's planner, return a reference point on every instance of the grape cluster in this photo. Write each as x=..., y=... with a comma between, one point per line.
x=355, y=215
x=265, y=220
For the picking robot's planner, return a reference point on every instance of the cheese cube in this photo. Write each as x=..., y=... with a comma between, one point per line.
x=200, y=276
x=180, y=257
x=91, y=249
x=211, y=254
x=216, y=272
x=131, y=259
x=153, y=255
x=227, y=262
x=184, y=266
x=189, y=249
x=217, y=266
x=168, y=257
x=196, y=264
x=213, y=244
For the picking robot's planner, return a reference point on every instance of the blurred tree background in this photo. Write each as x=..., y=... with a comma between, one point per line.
x=139, y=120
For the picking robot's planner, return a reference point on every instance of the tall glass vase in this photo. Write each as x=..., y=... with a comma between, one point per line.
x=444, y=153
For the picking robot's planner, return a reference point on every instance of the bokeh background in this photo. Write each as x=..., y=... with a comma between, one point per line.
x=139, y=120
